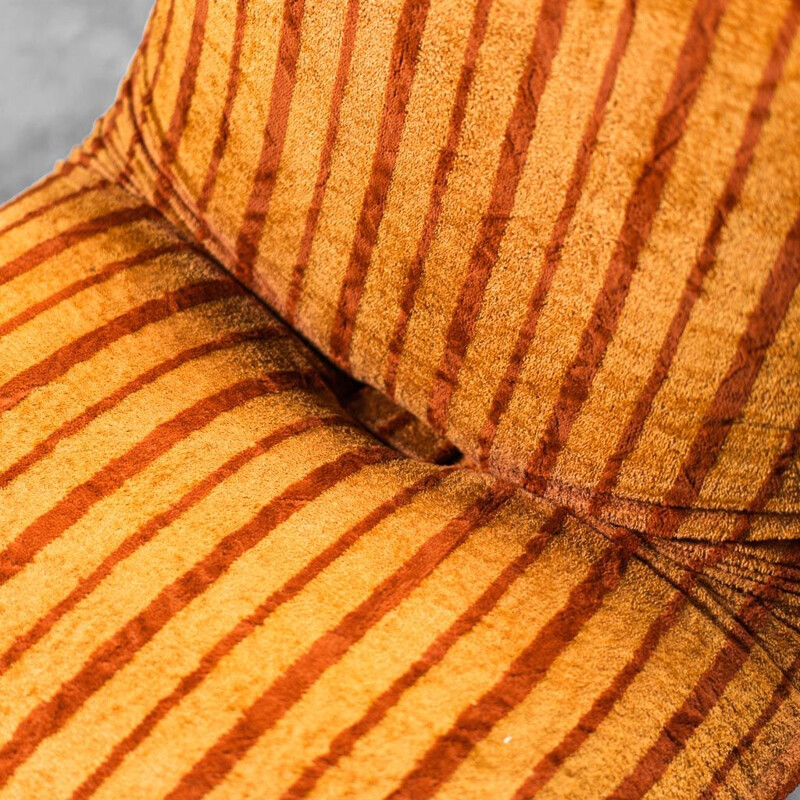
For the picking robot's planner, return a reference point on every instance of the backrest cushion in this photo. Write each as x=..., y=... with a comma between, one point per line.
x=566, y=234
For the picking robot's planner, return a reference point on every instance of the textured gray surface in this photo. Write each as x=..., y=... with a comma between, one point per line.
x=61, y=62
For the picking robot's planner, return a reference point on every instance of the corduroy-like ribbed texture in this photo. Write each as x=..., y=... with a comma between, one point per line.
x=563, y=236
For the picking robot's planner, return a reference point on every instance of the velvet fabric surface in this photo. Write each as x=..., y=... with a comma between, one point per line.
x=401, y=399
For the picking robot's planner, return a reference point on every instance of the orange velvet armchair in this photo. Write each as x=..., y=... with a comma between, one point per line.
x=401, y=399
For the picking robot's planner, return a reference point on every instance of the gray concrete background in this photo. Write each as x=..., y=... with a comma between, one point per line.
x=61, y=62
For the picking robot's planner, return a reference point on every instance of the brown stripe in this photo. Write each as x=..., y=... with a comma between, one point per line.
x=47, y=207
x=147, y=531
x=394, y=424
x=639, y=215
x=109, y=122
x=443, y=168
x=734, y=390
x=552, y=258
x=729, y=199
x=326, y=156
x=125, y=169
x=69, y=238
x=329, y=648
x=47, y=718
x=126, y=94
x=402, y=66
x=511, y=164
x=180, y=112
x=79, y=500
x=147, y=97
x=342, y=745
x=772, y=484
x=289, y=590
x=283, y=82
x=550, y=763
x=83, y=348
x=103, y=274
x=477, y=720
x=186, y=87
x=234, y=74
x=782, y=692
x=71, y=427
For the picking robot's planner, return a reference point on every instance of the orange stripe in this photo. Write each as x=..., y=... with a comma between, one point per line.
x=770, y=488
x=729, y=199
x=147, y=531
x=513, y=155
x=402, y=67
x=180, y=112
x=63, y=359
x=639, y=215
x=71, y=427
x=47, y=718
x=102, y=275
x=72, y=236
x=552, y=258
x=343, y=744
x=734, y=389
x=476, y=721
x=179, y=202
x=443, y=168
x=234, y=74
x=77, y=502
x=312, y=215
x=283, y=83
x=46, y=207
x=550, y=763
x=329, y=648
x=289, y=590
x=147, y=97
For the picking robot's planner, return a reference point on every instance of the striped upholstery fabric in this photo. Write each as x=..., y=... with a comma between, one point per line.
x=562, y=236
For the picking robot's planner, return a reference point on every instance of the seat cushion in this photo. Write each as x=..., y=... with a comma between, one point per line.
x=214, y=581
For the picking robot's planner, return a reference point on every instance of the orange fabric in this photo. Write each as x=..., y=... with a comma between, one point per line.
x=562, y=236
